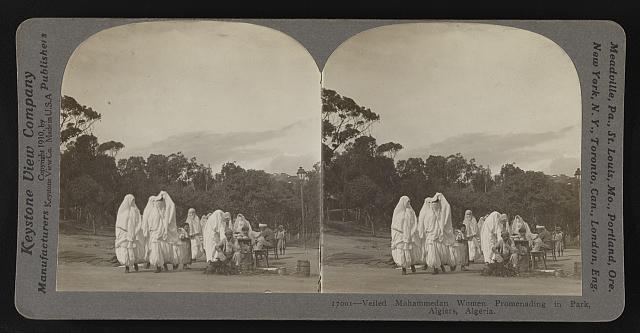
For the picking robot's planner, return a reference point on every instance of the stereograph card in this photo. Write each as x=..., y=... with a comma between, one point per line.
x=320, y=169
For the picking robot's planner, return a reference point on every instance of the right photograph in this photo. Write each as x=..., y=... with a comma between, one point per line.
x=451, y=160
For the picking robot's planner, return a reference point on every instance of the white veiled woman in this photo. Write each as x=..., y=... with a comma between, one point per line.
x=129, y=239
x=435, y=223
x=519, y=222
x=472, y=234
x=172, y=236
x=159, y=218
x=405, y=241
x=491, y=233
x=241, y=222
x=213, y=232
x=480, y=226
x=195, y=234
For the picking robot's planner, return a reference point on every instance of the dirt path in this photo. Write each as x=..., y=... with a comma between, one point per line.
x=84, y=264
x=364, y=265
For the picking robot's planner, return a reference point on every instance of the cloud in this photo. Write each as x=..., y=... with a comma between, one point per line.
x=251, y=148
x=290, y=163
x=529, y=150
x=564, y=165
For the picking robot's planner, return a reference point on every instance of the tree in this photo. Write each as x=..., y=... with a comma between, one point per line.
x=228, y=170
x=389, y=149
x=343, y=119
x=366, y=194
x=75, y=119
x=86, y=194
x=157, y=169
x=110, y=147
x=133, y=178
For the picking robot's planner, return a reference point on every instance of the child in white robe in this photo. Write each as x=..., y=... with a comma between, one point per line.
x=459, y=252
x=183, y=248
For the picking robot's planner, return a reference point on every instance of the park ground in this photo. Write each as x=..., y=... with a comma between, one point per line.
x=85, y=263
x=354, y=262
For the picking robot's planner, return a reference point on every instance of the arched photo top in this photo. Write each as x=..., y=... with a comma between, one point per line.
x=205, y=124
x=494, y=93
x=185, y=85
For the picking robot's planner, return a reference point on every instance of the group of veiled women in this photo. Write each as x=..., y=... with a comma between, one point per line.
x=153, y=237
x=430, y=239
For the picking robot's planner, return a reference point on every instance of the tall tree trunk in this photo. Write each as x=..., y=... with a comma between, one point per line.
x=344, y=196
x=373, y=227
x=93, y=222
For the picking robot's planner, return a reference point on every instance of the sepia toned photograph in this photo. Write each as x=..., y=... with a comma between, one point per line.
x=451, y=163
x=190, y=161
x=320, y=169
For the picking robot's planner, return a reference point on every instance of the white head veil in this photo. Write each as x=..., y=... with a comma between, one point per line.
x=215, y=224
x=436, y=225
x=203, y=220
x=167, y=208
x=193, y=221
x=128, y=218
x=470, y=223
x=240, y=222
x=492, y=223
x=404, y=221
x=169, y=220
x=519, y=222
x=146, y=214
x=490, y=234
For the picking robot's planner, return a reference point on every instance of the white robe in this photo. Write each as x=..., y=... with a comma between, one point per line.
x=458, y=251
x=480, y=224
x=438, y=231
x=490, y=234
x=129, y=243
x=227, y=220
x=405, y=241
x=241, y=222
x=473, y=243
x=195, y=233
x=212, y=233
x=518, y=223
x=159, y=219
x=203, y=221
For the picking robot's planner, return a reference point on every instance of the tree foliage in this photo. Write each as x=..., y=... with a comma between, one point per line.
x=93, y=183
x=343, y=120
x=364, y=177
x=75, y=119
x=110, y=147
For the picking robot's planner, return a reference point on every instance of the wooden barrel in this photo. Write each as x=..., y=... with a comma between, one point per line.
x=303, y=268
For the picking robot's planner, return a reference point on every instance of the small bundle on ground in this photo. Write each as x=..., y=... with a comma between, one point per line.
x=500, y=269
x=221, y=268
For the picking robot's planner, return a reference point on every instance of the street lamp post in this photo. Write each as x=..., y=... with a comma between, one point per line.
x=302, y=175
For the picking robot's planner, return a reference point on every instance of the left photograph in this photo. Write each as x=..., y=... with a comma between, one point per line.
x=190, y=161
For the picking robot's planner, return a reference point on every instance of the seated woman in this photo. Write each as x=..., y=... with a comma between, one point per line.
x=523, y=244
x=244, y=233
x=266, y=238
x=228, y=251
x=506, y=251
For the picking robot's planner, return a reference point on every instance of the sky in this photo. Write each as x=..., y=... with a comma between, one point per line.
x=496, y=94
x=217, y=91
